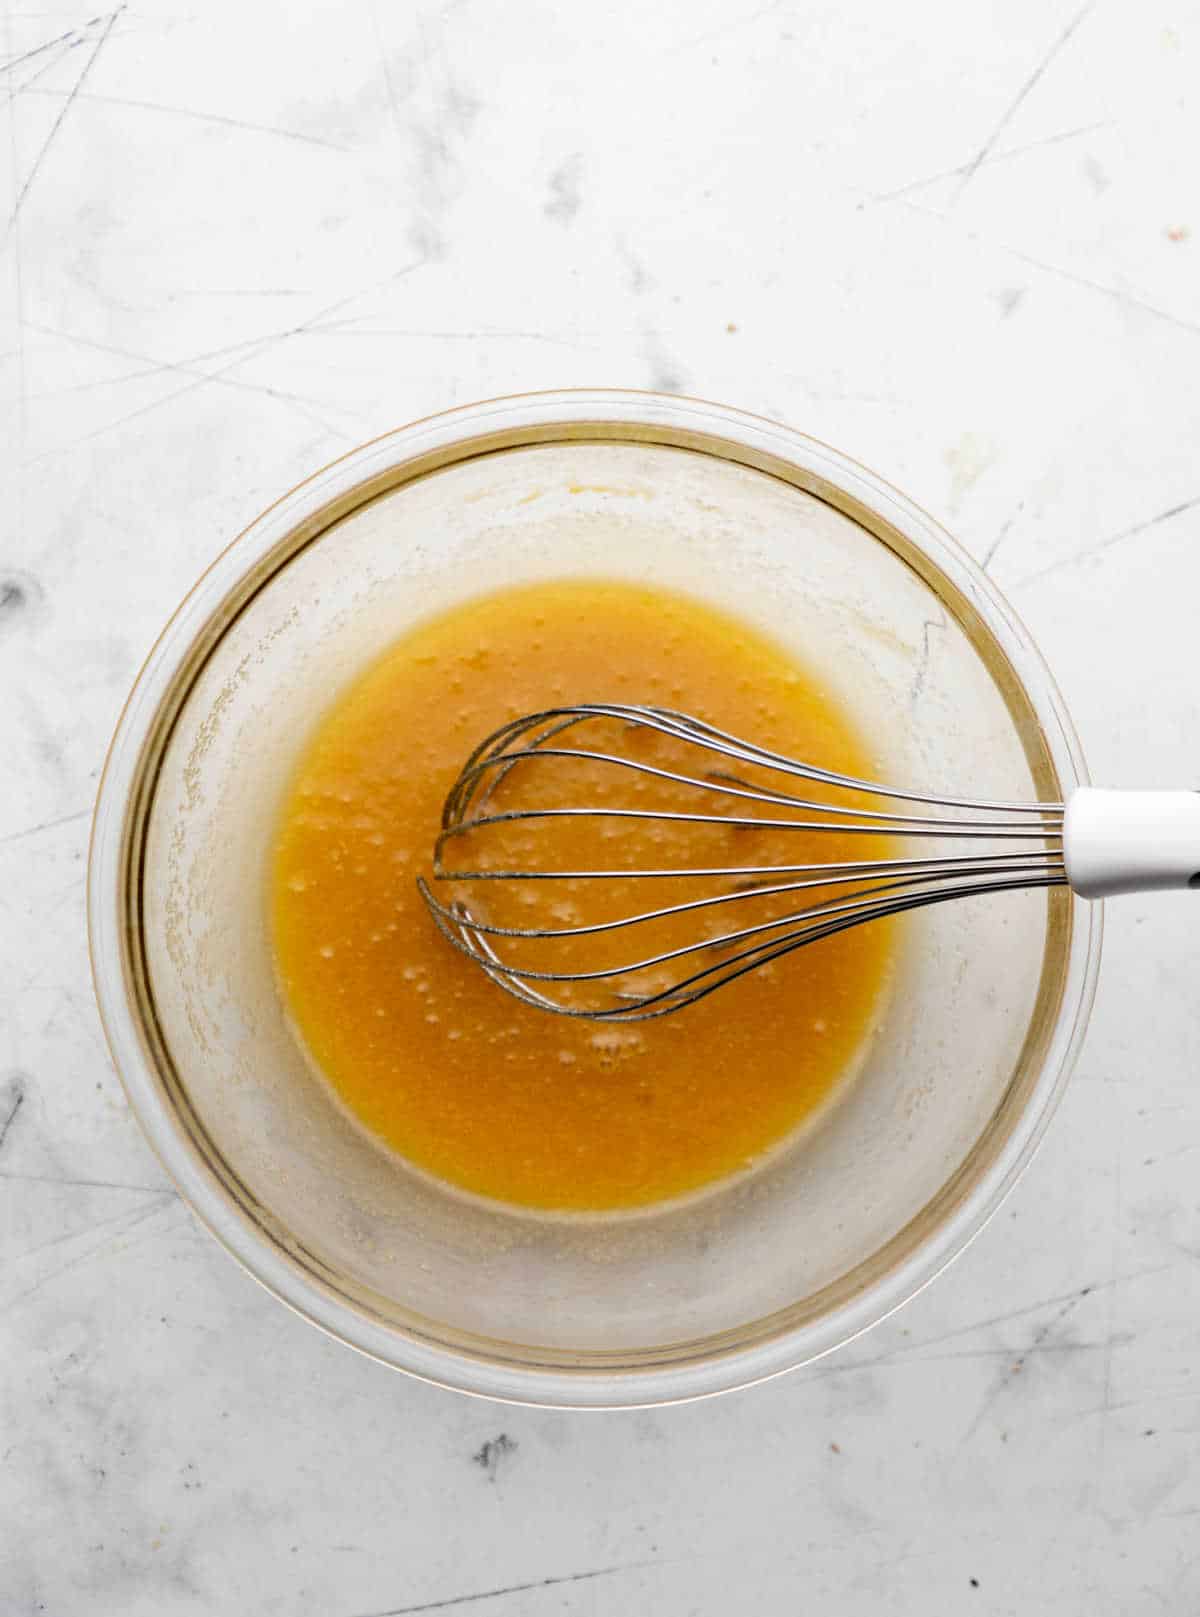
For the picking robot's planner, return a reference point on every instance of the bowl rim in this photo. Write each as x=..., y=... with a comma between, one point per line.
x=699, y=1369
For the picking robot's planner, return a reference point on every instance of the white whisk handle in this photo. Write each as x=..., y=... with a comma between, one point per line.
x=1131, y=842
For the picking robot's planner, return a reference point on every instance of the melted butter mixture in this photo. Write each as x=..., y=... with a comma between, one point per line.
x=442, y=1066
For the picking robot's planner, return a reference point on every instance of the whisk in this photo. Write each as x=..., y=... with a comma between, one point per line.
x=1099, y=843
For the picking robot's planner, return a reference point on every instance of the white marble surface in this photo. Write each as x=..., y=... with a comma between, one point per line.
x=960, y=241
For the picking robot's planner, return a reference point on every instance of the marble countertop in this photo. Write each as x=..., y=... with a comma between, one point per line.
x=961, y=242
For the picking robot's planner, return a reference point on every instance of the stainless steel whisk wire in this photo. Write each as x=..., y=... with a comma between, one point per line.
x=897, y=884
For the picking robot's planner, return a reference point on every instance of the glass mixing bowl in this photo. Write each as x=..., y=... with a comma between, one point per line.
x=960, y=1078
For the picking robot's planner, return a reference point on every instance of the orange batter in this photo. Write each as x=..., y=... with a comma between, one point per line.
x=440, y=1064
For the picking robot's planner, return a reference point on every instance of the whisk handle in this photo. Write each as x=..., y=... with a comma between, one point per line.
x=1131, y=842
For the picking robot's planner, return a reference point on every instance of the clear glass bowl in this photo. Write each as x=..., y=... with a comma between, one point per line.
x=955, y=1089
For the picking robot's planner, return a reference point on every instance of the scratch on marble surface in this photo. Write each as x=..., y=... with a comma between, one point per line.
x=45, y=825
x=1006, y=156
x=1101, y=545
x=16, y=1095
x=305, y=404
x=733, y=26
x=71, y=35
x=1097, y=1480
x=85, y=1021
x=86, y=1184
x=239, y=292
x=13, y=233
x=249, y=349
x=1016, y=1361
x=194, y=113
x=989, y=554
x=1034, y=1350
x=77, y=1235
x=350, y=328
x=1022, y=96
x=1129, y=300
x=1123, y=298
x=1073, y=1296
x=186, y=363
x=13, y=92
x=386, y=68
x=126, y=1225
x=507, y=1589
x=149, y=409
x=915, y=1359
x=57, y=125
x=71, y=39
x=917, y=1351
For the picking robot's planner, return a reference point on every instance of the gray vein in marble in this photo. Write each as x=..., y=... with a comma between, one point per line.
x=1111, y=1303
x=22, y=599
x=49, y=743
x=565, y=196
x=431, y=139
x=1023, y=95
